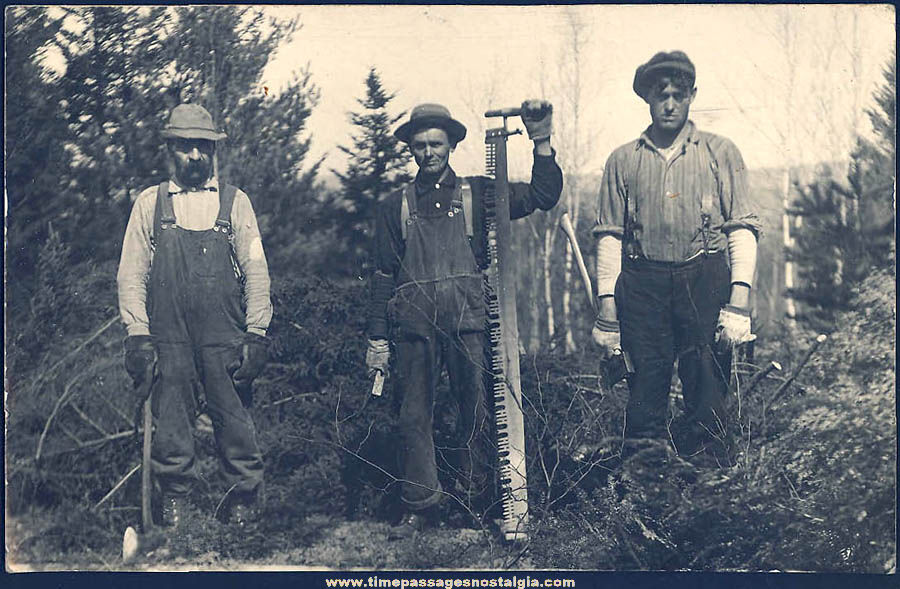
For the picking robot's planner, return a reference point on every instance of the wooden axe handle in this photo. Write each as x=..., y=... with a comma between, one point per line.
x=566, y=224
x=146, y=489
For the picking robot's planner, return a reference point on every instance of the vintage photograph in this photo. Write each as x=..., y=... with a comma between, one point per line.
x=465, y=288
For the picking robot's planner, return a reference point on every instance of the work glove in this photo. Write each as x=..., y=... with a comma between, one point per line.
x=140, y=362
x=606, y=335
x=538, y=118
x=378, y=354
x=733, y=327
x=254, y=355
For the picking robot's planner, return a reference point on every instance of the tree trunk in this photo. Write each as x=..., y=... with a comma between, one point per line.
x=548, y=287
x=790, y=308
x=567, y=300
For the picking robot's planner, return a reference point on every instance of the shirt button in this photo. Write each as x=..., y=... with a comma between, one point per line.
x=437, y=186
x=437, y=205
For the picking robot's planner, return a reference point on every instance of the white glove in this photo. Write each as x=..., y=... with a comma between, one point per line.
x=538, y=118
x=606, y=335
x=733, y=327
x=378, y=354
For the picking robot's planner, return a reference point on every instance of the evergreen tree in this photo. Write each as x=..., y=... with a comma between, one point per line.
x=110, y=98
x=35, y=140
x=218, y=56
x=378, y=167
x=847, y=228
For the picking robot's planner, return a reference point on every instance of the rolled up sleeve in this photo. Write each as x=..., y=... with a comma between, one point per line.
x=252, y=259
x=611, y=201
x=134, y=265
x=738, y=208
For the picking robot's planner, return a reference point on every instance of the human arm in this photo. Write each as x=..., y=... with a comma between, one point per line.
x=388, y=248
x=742, y=224
x=251, y=258
x=134, y=265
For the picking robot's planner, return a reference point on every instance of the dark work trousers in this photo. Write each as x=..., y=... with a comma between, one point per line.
x=197, y=324
x=438, y=316
x=668, y=311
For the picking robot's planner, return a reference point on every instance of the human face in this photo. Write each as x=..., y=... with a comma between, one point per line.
x=193, y=160
x=670, y=104
x=431, y=149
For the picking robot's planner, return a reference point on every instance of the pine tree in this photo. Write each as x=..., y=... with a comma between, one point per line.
x=111, y=100
x=847, y=228
x=219, y=54
x=378, y=167
x=35, y=140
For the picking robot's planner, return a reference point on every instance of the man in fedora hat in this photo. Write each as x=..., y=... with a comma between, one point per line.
x=426, y=293
x=671, y=203
x=194, y=296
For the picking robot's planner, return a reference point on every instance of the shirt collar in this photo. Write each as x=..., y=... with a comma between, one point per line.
x=448, y=179
x=211, y=185
x=688, y=134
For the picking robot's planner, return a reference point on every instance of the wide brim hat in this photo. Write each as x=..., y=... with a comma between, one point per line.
x=191, y=121
x=662, y=62
x=430, y=115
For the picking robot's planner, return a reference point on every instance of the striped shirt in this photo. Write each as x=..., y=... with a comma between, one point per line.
x=666, y=198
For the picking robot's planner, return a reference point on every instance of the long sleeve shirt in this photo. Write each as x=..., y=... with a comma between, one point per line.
x=194, y=210
x=542, y=192
x=666, y=197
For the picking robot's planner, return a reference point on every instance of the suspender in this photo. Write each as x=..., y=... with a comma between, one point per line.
x=706, y=203
x=166, y=213
x=462, y=197
x=164, y=218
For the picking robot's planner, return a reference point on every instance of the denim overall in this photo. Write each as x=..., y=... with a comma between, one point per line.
x=438, y=317
x=197, y=323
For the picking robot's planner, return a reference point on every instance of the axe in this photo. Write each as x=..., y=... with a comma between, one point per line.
x=149, y=538
x=566, y=225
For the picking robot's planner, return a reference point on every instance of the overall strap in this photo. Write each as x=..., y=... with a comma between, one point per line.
x=407, y=208
x=226, y=202
x=462, y=202
x=466, y=191
x=164, y=206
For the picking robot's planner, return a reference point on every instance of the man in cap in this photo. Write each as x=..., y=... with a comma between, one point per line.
x=194, y=296
x=671, y=203
x=426, y=292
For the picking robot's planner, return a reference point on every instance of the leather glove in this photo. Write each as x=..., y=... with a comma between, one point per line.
x=733, y=327
x=140, y=360
x=254, y=355
x=378, y=354
x=606, y=335
x=537, y=115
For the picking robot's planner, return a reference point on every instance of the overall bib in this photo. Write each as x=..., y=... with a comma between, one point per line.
x=197, y=323
x=438, y=316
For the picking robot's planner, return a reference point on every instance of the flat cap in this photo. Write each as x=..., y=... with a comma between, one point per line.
x=662, y=62
x=430, y=115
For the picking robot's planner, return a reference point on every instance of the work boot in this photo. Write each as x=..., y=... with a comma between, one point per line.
x=243, y=515
x=174, y=509
x=409, y=525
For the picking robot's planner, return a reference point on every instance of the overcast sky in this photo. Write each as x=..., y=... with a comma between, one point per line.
x=784, y=82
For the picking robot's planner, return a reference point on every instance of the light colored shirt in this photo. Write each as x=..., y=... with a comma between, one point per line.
x=666, y=196
x=195, y=210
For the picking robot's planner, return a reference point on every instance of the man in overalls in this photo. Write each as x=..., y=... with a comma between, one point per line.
x=194, y=296
x=429, y=251
x=671, y=203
